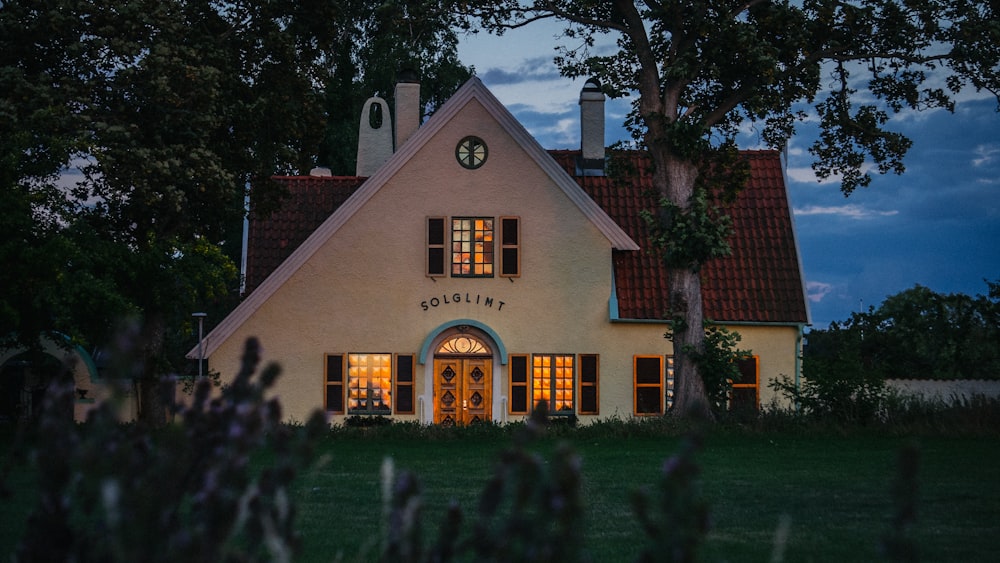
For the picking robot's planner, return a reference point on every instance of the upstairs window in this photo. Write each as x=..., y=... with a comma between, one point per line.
x=472, y=247
x=473, y=252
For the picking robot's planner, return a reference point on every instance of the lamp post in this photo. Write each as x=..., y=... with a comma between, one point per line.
x=201, y=341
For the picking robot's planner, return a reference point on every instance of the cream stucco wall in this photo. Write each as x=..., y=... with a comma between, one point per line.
x=365, y=290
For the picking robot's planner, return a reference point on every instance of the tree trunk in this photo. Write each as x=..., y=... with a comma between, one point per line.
x=152, y=399
x=674, y=177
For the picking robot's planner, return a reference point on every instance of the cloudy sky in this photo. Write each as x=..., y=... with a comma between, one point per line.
x=937, y=225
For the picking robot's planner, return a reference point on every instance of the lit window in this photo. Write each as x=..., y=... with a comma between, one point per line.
x=472, y=246
x=369, y=383
x=552, y=382
x=648, y=374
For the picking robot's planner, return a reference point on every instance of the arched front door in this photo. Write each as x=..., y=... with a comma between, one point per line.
x=463, y=381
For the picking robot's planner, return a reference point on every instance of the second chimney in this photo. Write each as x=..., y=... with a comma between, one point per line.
x=407, y=96
x=591, y=129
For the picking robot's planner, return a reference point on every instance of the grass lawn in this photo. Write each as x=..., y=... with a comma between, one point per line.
x=832, y=491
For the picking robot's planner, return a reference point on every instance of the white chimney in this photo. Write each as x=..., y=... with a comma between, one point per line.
x=407, y=96
x=592, y=129
x=374, y=136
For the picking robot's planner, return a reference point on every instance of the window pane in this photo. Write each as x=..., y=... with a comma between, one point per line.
x=435, y=261
x=748, y=371
x=519, y=369
x=588, y=369
x=647, y=370
x=510, y=234
x=647, y=400
x=588, y=399
x=743, y=400
x=335, y=398
x=335, y=368
x=519, y=399
x=435, y=231
x=404, y=369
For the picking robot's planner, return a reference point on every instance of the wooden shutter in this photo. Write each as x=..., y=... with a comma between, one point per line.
x=518, y=384
x=510, y=247
x=435, y=246
x=589, y=398
x=334, y=387
x=404, y=384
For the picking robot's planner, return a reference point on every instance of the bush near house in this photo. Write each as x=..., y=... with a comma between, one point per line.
x=220, y=484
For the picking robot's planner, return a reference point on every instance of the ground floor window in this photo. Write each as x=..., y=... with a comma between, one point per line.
x=362, y=383
x=647, y=372
x=745, y=395
x=552, y=379
x=552, y=382
x=369, y=383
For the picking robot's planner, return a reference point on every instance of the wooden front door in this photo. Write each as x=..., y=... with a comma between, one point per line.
x=463, y=390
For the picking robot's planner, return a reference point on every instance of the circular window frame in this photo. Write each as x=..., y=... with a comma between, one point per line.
x=466, y=152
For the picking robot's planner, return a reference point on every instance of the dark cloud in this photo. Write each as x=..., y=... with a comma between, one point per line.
x=529, y=70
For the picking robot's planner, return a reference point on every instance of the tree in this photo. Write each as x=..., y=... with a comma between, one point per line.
x=169, y=110
x=377, y=40
x=914, y=334
x=704, y=69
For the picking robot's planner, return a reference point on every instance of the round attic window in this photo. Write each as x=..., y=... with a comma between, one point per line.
x=471, y=152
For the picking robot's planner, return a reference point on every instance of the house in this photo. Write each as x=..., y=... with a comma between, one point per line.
x=469, y=274
x=25, y=377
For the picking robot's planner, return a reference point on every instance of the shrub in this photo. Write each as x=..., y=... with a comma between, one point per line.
x=212, y=487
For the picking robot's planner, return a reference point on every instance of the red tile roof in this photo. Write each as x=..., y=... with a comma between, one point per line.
x=311, y=199
x=759, y=282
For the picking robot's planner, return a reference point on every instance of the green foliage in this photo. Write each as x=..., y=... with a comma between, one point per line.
x=687, y=238
x=136, y=128
x=717, y=364
x=914, y=334
x=212, y=487
x=375, y=42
